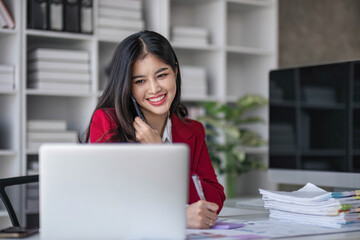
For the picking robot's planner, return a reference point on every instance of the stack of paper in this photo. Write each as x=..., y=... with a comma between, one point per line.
x=313, y=205
x=6, y=77
x=48, y=131
x=59, y=70
x=190, y=35
x=119, y=18
x=193, y=81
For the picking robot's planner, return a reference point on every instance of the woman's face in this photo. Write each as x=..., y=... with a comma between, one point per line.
x=153, y=86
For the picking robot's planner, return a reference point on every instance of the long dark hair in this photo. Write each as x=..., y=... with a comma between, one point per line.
x=117, y=93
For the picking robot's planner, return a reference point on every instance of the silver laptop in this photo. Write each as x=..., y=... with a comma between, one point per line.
x=113, y=191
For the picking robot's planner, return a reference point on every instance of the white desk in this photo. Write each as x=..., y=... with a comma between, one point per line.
x=254, y=215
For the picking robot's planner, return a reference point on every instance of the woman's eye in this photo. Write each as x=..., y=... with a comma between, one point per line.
x=162, y=75
x=139, y=81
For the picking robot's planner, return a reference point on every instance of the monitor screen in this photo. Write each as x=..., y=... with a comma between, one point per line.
x=314, y=130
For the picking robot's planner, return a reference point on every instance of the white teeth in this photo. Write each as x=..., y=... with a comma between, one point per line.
x=156, y=99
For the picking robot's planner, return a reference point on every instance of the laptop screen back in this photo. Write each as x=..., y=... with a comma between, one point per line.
x=106, y=191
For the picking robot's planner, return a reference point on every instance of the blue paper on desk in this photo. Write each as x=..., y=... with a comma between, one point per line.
x=227, y=225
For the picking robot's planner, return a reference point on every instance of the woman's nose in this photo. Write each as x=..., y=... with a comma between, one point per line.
x=154, y=86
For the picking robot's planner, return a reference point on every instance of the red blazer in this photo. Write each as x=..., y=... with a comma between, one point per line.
x=192, y=133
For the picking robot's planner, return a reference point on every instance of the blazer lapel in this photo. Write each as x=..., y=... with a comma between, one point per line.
x=180, y=132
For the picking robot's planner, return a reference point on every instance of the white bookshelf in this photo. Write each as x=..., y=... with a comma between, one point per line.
x=242, y=49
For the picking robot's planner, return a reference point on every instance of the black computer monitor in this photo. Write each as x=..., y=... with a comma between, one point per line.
x=314, y=129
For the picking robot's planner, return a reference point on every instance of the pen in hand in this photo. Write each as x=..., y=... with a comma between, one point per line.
x=198, y=187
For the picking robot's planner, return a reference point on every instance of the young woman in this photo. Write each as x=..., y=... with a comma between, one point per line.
x=145, y=67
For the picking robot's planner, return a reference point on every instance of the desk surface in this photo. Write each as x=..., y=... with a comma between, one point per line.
x=258, y=215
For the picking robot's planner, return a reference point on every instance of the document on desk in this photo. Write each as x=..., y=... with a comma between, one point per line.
x=267, y=229
x=280, y=229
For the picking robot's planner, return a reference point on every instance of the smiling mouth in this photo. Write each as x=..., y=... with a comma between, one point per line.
x=157, y=99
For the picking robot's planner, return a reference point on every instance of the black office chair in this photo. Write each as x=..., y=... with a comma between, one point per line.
x=16, y=231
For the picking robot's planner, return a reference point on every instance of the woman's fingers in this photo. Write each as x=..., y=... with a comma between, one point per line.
x=144, y=133
x=201, y=214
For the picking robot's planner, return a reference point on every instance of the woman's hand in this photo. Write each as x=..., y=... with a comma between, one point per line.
x=201, y=214
x=144, y=133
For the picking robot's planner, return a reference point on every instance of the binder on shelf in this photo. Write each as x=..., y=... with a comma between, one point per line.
x=38, y=14
x=56, y=10
x=86, y=15
x=58, y=55
x=9, y=21
x=72, y=15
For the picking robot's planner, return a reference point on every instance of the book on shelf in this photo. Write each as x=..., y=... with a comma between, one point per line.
x=58, y=55
x=2, y=21
x=66, y=136
x=59, y=77
x=116, y=33
x=123, y=4
x=46, y=125
x=60, y=87
x=6, y=87
x=6, y=78
x=58, y=66
x=72, y=15
x=6, y=68
x=108, y=12
x=9, y=21
x=56, y=10
x=192, y=41
x=121, y=23
x=86, y=16
x=192, y=32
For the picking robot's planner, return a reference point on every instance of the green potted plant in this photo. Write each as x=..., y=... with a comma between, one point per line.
x=226, y=126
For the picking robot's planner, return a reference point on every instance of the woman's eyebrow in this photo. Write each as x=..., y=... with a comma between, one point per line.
x=161, y=69
x=158, y=71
